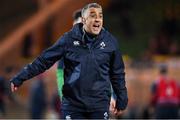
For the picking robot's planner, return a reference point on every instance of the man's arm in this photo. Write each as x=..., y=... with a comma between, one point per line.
x=40, y=64
x=117, y=76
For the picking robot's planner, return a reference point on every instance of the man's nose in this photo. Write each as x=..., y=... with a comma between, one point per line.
x=98, y=19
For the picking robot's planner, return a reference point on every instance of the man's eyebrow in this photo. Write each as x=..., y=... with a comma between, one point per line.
x=95, y=12
x=92, y=12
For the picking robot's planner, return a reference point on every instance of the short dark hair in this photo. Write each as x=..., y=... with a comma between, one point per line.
x=163, y=69
x=77, y=14
x=90, y=5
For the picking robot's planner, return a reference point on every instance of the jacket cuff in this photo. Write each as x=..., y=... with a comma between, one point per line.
x=121, y=105
x=16, y=82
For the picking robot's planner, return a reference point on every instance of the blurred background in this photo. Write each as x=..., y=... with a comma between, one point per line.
x=148, y=34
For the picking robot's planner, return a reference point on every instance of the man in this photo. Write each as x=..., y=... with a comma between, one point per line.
x=77, y=17
x=165, y=96
x=91, y=62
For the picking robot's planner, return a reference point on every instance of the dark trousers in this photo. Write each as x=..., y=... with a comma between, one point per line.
x=99, y=114
x=166, y=112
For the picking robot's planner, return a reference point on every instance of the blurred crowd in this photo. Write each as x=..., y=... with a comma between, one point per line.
x=165, y=42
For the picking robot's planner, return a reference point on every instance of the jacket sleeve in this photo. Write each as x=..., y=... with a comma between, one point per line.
x=43, y=62
x=117, y=77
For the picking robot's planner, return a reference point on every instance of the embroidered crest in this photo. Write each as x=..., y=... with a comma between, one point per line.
x=102, y=44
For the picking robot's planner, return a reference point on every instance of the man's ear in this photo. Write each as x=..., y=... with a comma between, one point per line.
x=83, y=20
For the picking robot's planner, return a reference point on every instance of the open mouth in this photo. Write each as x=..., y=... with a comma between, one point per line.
x=96, y=27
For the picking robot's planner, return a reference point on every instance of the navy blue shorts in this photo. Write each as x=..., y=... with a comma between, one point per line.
x=99, y=114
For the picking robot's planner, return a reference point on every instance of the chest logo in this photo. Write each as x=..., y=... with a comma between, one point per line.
x=76, y=43
x=102, y=44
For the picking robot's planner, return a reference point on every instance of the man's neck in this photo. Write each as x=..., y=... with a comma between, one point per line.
x=90, y=35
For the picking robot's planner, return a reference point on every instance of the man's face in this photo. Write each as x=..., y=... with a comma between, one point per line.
x=93, y=20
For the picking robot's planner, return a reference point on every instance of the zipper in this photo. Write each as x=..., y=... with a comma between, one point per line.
x=97, y=65
x=90, y=50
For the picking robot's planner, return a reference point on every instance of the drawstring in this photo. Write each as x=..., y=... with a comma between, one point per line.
x=83, y=38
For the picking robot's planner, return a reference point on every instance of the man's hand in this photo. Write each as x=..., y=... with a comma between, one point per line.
x=118, y=112
x=113, y=109
x=112, y=105
x=13, y=87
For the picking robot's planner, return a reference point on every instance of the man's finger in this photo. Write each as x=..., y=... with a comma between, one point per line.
x=115, y=111
x=15, y=88
x=12, y=87
x=112, y=104
x=118, y=112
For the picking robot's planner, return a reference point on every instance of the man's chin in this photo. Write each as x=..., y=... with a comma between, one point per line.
x=95, y=32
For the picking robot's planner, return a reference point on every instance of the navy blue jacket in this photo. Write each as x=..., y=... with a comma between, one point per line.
x=89, y=70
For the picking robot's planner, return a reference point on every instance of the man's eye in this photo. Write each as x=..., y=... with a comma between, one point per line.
x=93, y=16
